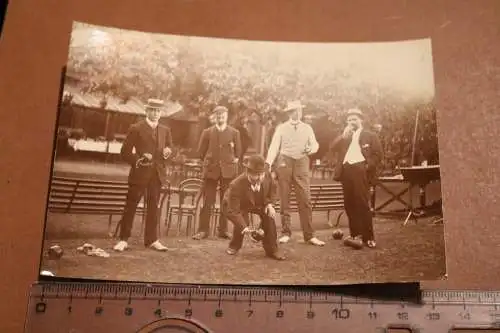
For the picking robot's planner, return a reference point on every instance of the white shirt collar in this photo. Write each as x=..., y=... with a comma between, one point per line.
x=221, y=128
x=255, y=187
x=152, y=124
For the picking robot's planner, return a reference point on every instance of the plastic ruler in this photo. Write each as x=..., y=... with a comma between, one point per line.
x=140, y=308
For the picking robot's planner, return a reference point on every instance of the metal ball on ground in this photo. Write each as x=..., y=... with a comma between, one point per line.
x=338, y=234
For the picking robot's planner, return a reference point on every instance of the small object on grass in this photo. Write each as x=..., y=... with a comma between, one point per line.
x=85, y=248
x=338, y=234
x=92, y=251
x=55, y=252
x=98, y=252
x=46, y=273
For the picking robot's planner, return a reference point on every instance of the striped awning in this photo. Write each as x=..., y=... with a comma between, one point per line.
x=114, y=104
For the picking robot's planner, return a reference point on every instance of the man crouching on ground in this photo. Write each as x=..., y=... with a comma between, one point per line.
x=253, y=192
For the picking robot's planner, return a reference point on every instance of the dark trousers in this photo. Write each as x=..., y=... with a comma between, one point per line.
x=357, y=200
x=267, y=224
x=151, y=192
x=209, y=196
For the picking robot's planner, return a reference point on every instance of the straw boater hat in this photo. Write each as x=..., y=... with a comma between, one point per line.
x=154, y=103
x=293, y=105
x=355, y=112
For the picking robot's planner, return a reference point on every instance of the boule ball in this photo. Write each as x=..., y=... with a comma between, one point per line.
x=55, y=252
x=337, y=234
x=258, y=235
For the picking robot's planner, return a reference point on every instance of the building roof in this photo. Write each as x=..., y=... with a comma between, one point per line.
x=114, y=104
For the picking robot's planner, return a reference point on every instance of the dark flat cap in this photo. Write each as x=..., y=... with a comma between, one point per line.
x=219, y=109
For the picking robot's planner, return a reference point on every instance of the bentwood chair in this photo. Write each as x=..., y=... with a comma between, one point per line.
x=188, y=193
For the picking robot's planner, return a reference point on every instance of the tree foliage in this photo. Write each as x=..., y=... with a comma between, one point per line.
x=199, y=75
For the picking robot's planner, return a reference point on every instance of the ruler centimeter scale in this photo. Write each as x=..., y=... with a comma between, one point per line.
x=141, y=308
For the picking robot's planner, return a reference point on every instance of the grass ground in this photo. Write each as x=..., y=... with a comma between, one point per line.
x=413, y=252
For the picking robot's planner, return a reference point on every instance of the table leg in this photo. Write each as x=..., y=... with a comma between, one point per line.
x=422, y=201
x=411, y=213
x=422, y=195
x=439, y=220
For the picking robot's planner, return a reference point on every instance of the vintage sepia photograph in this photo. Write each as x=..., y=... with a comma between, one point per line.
x=201, y=160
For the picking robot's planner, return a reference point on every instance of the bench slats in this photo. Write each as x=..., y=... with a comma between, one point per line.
x=77, y=202
x=105, y=197
x=69, y=195
x=323, y=198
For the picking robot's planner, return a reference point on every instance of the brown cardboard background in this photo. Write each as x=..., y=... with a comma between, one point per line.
x=466, y=44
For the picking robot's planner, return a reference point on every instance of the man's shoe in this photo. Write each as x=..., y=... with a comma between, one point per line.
x=231, y=251
x=157, y=246
x=277, y=256
x=120, y=246
x=200, y=235
x=316, y=242
x=224, y=235
x=354, y=242
x=371, y=244
x=284, y=239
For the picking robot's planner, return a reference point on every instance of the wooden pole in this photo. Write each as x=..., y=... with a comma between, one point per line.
x=414, y=143
x=106, y=126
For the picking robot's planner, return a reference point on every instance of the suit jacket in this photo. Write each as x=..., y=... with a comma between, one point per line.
x=239, y=199
x=142, y=137
x=371, y=148
x=219, y=151
x=246, y=140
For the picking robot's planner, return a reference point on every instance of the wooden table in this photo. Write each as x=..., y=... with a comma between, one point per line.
x=394, y=195
x=420, y=177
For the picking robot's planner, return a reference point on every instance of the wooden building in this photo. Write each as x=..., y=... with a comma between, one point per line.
x=88, y=116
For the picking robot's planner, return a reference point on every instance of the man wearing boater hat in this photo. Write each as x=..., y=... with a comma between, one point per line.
x=252, y=192
x=360, y=153
x=220, y=149
x=146, y=148
x=292, y=143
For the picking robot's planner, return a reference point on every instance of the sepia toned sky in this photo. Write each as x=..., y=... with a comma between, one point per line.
x=405, y=67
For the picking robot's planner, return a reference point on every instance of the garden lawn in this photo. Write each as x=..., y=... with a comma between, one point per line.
x=414, y=252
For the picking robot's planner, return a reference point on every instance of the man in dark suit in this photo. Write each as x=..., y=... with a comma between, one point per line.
x=246, y=138
x=220, y=149
x=253, y=192
x=359, y=153
x=146, y=148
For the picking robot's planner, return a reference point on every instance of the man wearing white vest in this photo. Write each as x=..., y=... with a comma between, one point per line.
x=360, y=153
x=292, y=143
